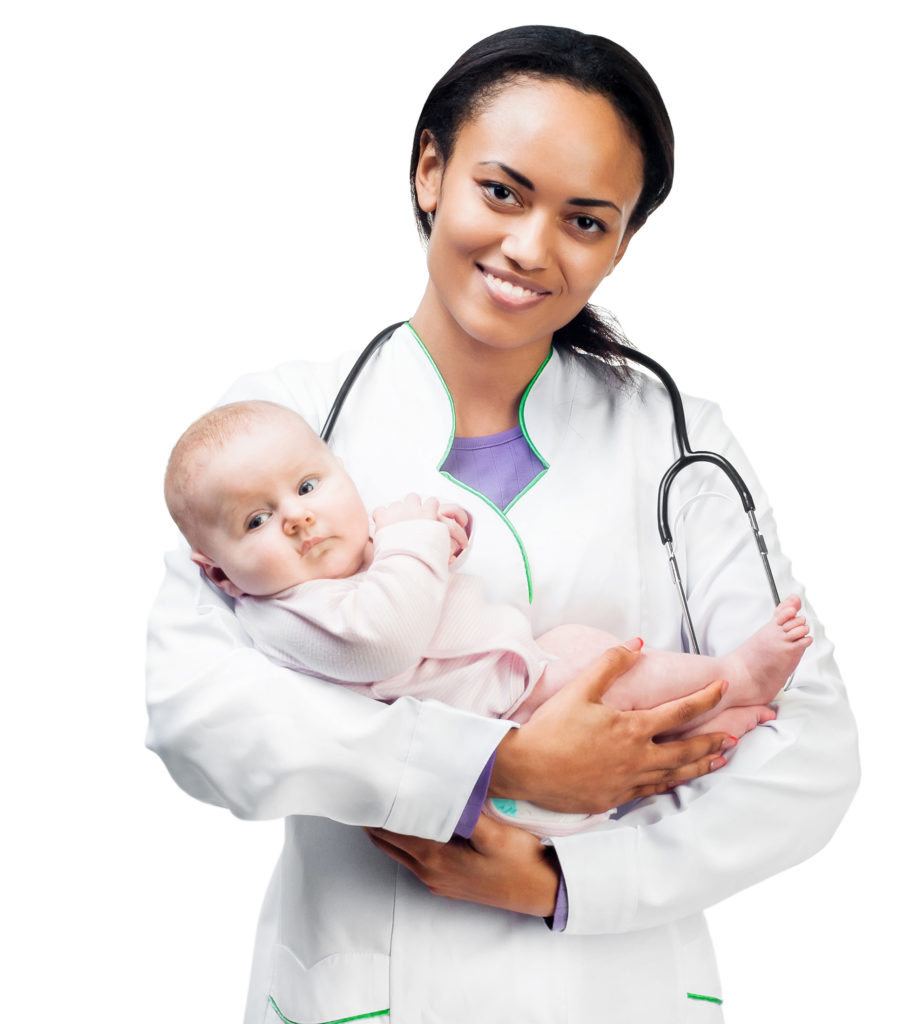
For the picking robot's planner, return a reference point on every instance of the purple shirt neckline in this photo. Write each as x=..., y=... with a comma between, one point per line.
x=498, y=466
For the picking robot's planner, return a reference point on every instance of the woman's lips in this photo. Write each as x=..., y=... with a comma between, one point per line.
x=512, y=291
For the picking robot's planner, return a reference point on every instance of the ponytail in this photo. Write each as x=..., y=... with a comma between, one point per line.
x=593, y=335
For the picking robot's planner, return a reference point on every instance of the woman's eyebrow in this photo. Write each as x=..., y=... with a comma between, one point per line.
x=594, y=202
x=524, y=181
x=521, y=179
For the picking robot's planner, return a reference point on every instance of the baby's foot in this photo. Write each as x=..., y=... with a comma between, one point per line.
x=735, y=721
x=761, y=666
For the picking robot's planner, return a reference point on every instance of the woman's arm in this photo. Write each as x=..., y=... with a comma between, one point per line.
x=236, y=730
x=607, y=756
x=777, y=802
x=786, y=786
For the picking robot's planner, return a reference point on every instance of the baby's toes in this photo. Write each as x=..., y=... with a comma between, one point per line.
x=787, y=609
x=798, y=633
x=764, y=713
x=795, y=623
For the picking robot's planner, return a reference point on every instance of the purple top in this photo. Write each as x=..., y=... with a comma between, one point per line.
x=500, y=467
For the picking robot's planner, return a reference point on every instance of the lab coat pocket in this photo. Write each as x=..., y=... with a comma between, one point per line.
x=697, y=972
x=339, y=987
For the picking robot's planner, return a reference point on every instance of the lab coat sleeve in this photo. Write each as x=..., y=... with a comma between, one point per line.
x=237, y=731
x=366, y=628
x=787, y=784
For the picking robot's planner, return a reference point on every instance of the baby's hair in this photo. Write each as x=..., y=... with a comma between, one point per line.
x=211, y=432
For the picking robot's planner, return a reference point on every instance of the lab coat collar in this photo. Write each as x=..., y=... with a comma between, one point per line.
x=549, y=397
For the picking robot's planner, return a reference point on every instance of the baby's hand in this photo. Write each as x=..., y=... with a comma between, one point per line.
x=458, y=521
x=413, y=507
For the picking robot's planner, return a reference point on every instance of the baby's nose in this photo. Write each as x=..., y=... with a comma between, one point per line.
x=297, y=517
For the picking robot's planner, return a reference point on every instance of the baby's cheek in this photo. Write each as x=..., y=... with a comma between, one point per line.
x=269, y=572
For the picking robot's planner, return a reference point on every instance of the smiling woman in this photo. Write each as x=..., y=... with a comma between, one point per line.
x=537, y=157
x=530, y=212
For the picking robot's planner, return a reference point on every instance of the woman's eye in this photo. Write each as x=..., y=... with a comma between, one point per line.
x=500, y=193
x=255, y=522
x=588, y=225
x=308, y=485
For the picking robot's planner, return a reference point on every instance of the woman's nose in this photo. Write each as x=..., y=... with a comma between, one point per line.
x=527, y=242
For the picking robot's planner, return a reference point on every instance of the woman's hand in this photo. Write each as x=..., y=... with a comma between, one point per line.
x=499, y=865
x=578, y=755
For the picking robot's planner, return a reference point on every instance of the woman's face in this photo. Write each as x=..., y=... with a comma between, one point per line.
x=530, y=214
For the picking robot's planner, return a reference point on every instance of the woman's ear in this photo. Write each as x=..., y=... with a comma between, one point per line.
x=215, y=574
x=428, y=179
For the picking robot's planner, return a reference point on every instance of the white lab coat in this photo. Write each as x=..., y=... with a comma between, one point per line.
x=346, y=932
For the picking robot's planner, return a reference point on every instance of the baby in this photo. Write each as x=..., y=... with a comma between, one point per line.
x=276, y=523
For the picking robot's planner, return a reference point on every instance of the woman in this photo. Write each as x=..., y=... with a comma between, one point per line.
x=536, y=159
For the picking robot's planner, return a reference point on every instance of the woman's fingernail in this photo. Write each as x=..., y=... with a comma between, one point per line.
x=724, y=686
x=719, y=762
x=636, y=644
x=729, y=743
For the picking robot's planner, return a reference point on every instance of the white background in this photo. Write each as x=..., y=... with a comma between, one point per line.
x=192, y=190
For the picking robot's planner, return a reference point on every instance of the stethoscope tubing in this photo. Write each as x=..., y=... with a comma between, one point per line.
x=686, y=458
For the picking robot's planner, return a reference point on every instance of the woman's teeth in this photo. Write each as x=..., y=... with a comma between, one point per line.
x=514, y=290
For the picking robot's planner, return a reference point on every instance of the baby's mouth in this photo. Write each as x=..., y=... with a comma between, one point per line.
x=309, y=545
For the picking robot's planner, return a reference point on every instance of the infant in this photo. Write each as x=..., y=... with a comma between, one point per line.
x=276, y=523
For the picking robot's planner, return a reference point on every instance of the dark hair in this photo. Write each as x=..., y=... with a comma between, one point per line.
x=590, y=63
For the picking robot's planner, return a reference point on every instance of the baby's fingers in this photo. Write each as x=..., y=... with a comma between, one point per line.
x=457, y=513
x=411, y=507
x=457, y=536
x=429, y=506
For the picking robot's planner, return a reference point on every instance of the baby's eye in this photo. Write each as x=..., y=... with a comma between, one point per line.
x=308, y=485
x=255, y=522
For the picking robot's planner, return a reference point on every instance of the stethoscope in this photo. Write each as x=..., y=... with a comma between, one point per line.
x=685, y=458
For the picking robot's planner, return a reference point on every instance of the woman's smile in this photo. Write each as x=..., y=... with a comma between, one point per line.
x=511, y=291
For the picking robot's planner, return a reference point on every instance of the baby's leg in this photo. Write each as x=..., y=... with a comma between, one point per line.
x=756, y=671
x=735, y=721
x=575, y=647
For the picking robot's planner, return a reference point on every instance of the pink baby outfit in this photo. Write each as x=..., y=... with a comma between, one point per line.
x=406, y=626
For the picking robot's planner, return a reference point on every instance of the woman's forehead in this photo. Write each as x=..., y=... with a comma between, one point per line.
x=550, y=130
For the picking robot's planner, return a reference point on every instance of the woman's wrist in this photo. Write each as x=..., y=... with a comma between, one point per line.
x=509, y=773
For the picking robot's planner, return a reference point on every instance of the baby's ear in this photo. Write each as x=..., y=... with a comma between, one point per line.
x=215, y=574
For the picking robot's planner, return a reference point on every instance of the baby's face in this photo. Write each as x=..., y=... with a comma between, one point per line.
x=278, y=509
